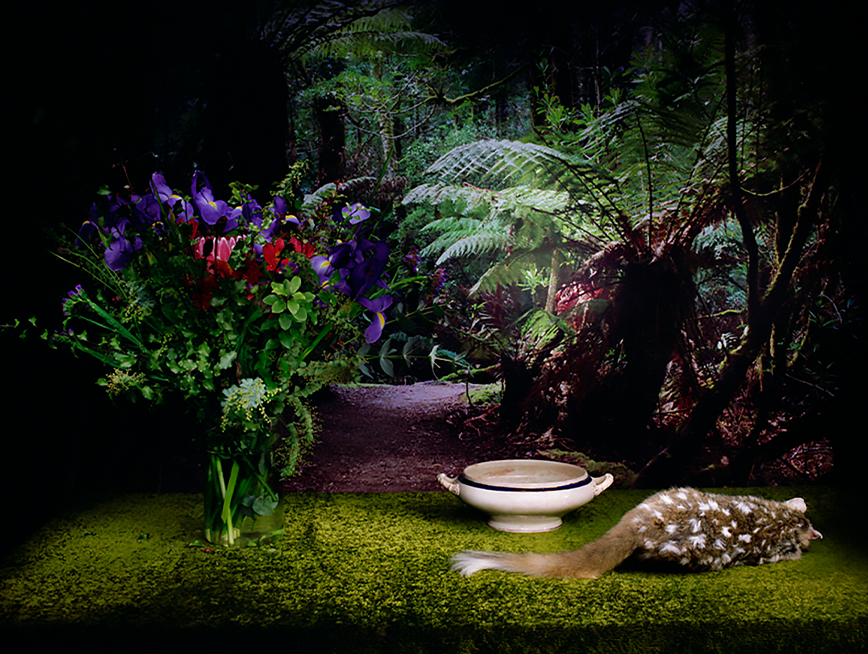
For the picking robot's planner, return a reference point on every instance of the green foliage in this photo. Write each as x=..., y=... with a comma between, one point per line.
x=522, y=199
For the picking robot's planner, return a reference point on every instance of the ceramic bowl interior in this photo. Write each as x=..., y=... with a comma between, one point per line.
x=527, y=474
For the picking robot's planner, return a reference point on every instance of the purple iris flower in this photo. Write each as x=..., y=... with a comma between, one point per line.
x=163, y=191
x=378, y=306
x=88, y=231
x=323, y=267
x=106, y=213
x=280, y=209
x=367, y=274
x=251, y=211
x=356, y=213
x=121, y=249
x=182, y=209
x=209, y=209
x=360, y=263
x=145, y=209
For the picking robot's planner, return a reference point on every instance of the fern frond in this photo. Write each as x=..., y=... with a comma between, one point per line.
x=485, y=239
x=508, y=271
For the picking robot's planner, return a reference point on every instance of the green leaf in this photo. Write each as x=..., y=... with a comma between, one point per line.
x=385, y=351
x=286, y=339
x=285, y=321
x=226, y=360
x=293, y=306
x=294, y=284
x=264, y=505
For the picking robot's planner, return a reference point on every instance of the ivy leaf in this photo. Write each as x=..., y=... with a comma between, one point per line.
x=226, y=360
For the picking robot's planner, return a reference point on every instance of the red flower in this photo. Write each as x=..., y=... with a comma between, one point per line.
x=271, y=252
x=302, y=248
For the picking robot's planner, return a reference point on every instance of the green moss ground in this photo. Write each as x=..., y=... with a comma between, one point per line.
x=369, y=573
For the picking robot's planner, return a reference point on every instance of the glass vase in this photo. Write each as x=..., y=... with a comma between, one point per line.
x=243, y=507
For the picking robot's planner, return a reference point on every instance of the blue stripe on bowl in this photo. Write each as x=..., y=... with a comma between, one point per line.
x=469, y=482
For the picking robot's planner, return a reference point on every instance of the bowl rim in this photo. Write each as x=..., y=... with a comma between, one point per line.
x=581, y=477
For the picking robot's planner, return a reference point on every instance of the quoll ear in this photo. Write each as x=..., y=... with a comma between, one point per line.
x=798, y=504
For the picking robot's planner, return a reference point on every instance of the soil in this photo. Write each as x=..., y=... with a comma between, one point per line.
x=396, y=438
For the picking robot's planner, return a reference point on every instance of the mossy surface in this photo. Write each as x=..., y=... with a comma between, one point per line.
x=370, y=573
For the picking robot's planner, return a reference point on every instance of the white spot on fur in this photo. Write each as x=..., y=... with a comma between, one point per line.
x=671, y=529
x=669, y=546
x=697, y=541
x=744, y=538
x=725, y=531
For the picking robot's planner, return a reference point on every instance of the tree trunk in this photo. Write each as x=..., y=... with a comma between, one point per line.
x=671, y=461
x=332, y=144
x=554, y=280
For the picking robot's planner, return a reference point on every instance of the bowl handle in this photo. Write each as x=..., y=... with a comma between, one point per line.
x=449, y=483
x=602, y=483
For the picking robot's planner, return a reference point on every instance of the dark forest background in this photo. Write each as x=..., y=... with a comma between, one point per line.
x=93, y=97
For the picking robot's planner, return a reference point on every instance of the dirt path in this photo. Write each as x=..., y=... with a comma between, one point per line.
x=392, y=438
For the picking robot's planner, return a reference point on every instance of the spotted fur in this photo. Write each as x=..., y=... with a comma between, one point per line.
x=696, y=530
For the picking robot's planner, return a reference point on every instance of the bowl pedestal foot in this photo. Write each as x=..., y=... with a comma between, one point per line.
x=524, y=524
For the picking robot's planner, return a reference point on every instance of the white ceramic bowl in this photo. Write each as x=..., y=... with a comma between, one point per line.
x=525, y=495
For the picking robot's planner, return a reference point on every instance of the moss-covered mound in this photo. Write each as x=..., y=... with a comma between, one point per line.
x=369, y=573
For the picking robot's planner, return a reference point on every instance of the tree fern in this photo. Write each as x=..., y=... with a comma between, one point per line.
x=510, y=193
x=485, y=238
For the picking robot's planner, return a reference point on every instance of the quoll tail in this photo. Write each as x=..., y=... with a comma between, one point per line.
x=588, y=562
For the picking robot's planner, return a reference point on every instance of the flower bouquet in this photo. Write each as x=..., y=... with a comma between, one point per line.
x=244, y=310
